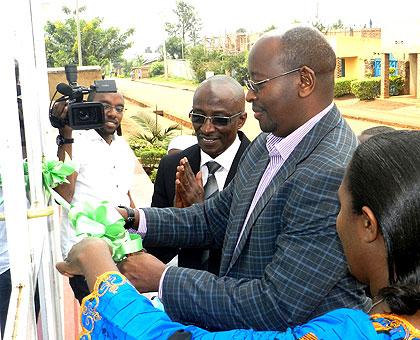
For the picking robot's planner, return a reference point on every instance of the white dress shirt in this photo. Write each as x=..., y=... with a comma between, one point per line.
x=225, y=160
x=105, y=173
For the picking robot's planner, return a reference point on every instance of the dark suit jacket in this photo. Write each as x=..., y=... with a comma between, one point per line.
x=289, y=265
x=163, y=197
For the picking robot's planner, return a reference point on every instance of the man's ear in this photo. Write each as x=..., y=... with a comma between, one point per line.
x=307, y=81
x=242, y=120
x=370, y=225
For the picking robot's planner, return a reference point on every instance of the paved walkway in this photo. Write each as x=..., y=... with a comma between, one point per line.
x=400, y=111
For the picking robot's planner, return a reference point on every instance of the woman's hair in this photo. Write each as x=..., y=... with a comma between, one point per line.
x=384, y=175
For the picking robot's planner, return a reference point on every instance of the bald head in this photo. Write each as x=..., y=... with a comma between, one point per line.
x=226, y=87
x=219, y=96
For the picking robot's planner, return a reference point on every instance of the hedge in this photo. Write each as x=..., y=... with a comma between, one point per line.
x=342, y=87
x=366, y=89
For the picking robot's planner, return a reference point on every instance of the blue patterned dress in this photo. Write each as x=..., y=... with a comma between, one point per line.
x=115, y=310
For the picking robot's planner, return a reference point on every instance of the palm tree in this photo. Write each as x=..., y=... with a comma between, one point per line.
x=154, y=133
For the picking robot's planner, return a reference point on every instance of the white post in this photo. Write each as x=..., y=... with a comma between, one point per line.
x=32, y=243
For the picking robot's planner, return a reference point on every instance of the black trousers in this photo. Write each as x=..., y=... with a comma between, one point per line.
x=79, y=286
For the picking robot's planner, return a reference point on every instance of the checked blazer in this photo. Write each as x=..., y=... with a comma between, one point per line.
x=289, y=265
x=163, y=196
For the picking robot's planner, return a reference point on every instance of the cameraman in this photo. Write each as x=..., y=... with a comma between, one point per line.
x=105, y=166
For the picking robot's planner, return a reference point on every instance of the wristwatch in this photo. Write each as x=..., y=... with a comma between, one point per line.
x=60, y=140
x=129, y=222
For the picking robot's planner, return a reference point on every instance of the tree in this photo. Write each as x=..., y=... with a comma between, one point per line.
x=188, y=24
x=153, y=133
x=174, y=47
x=203, y=60
x=320, y=26
x=100, y=46
x=337, y=25
x=270, y=28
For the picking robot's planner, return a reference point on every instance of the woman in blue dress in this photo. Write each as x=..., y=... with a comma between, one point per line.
x=378, y=224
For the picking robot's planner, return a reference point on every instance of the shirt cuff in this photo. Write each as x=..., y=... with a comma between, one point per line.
x=161, y=283
x=142, y=228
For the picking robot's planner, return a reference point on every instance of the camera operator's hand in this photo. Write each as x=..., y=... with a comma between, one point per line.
x=64, y=142
x=59, y=110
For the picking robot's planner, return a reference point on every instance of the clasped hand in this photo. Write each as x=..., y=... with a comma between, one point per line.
x=188, y=187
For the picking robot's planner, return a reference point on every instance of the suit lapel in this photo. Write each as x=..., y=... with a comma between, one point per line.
x=194, y=158
x=252, y=172
x=232, y=171
x=301, y=152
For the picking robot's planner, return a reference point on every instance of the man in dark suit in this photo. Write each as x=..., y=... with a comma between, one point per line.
x=218, y=96
x=282, y=261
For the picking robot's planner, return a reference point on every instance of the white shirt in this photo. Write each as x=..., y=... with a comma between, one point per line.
x=4, y=254
x=225, y=160
x=105, y=173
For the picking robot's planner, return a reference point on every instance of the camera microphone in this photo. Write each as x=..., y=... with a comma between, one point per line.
x=64, y=89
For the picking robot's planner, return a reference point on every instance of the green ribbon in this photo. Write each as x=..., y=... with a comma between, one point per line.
x=55, y=173
x=103, y=221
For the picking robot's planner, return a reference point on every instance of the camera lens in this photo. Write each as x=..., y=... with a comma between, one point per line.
x=83, y=116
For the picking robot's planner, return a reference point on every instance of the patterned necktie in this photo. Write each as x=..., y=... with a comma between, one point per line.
x=211, y=187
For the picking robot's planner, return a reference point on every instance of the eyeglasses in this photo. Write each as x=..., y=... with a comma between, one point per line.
x=255, y=86
x=118, y=108
x=200, y=119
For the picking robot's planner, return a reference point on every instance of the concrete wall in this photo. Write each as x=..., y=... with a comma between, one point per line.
x=353, y=67
x=180, y=68
x=86, y=75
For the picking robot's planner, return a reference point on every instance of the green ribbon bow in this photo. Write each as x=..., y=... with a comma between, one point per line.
x=103, y=221
x=55, y=173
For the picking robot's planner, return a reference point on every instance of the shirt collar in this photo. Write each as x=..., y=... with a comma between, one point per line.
x=93, y=135
x=225, y=159
x=283, y=147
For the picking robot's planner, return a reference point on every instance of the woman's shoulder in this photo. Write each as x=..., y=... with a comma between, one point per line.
x=395, y=326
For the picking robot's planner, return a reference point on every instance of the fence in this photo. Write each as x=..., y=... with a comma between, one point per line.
x=31, y=231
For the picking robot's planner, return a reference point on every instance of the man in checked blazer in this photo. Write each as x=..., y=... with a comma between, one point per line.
x=219, y=96
x=282, y=261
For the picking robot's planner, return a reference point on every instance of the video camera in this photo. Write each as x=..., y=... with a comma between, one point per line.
x=81, y=115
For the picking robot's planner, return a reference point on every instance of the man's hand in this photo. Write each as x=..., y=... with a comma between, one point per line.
x=59, y=110
x=143, y=270
x=188, y=188
x=90, y=257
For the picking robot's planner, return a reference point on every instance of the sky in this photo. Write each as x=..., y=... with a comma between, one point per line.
x=225, y=16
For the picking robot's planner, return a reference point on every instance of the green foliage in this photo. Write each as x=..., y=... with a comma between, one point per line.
x=100, y=46
x=202, y=60
x=396, y=85
x=154, y=135
x=270, y=28
x=137, y=145
x=366, y=89
x=156, y=69
x=187, y=26
x=150, y=158
x=237, y=65
x=342, y=87
x=174, y=47
x=392, y=71
x=126, y=66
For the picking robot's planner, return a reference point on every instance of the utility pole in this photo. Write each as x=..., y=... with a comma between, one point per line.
x=79, y=42
x=165, y=61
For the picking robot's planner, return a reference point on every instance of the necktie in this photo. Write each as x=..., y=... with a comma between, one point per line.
x=211, y=187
